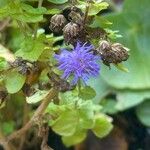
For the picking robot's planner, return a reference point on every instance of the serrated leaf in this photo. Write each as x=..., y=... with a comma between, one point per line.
x=66, y=124
x=143, y=113
x=37, y=97
x=87, y=93
x=76, y=138
x=58, y=1
x=31, y=49
x=103, y=126
x=22, y=12
x=14, y=81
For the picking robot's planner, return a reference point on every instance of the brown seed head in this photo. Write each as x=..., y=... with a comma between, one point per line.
x=57, y=23
x=71, y=32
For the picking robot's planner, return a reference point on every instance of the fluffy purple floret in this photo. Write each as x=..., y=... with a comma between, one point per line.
x=79, y=63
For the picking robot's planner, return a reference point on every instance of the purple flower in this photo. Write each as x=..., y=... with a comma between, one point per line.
x=79, y=63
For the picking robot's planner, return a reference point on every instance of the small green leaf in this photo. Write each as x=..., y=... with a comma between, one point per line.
x=143, y=113
x=87, y=93
x=66, y=124
x=76, y=138
x=14, y=81
x=37, y=97
x=58, y=1
x=121, y=67
x=103, y=126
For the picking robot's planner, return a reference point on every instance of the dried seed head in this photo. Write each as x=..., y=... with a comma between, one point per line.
x=104, y=45
x=112, y=53
x=57, y=23
x=123, y=51
x=71, y=32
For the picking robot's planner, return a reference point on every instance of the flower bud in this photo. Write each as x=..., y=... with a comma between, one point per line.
x=71, y=32
x=57, y=23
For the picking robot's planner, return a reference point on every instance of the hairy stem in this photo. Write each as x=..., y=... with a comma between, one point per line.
x=37, y=113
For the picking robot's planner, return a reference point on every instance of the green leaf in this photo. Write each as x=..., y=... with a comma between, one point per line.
x=86, y=114
x=100, y=22
x=101, y=87
x=135, y=28
x=31, y=10
x=37, y=97
x=109, y=106
x=76, y=138
x=8, y=127
x=3, y=64
x=121, y=67
x=3, y=3
x=58, y=1
x=14, y=81
x=31, y=49
x=95, y=7
x=103, y=126
x=15, y=38
x=53, y=11
x=128, y=99
x=22, y=12
x=112, y=34
x=66, y=124
x=87, y=93
x=143, y=113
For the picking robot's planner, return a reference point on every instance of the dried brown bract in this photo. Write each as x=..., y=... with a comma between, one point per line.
x=112, y=53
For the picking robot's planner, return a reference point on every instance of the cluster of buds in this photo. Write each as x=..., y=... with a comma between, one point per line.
x=71, y=26
x=112, y=53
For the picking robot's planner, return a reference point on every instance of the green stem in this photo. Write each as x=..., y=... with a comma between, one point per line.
x=37, y=24
x=79, y=86
x=22, y=28
x=86, y=13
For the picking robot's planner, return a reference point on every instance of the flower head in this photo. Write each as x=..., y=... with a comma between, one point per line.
x=79, y=63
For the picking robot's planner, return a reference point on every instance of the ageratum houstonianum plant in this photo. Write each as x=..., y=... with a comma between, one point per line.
x=80, y=63
x=52, y=68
